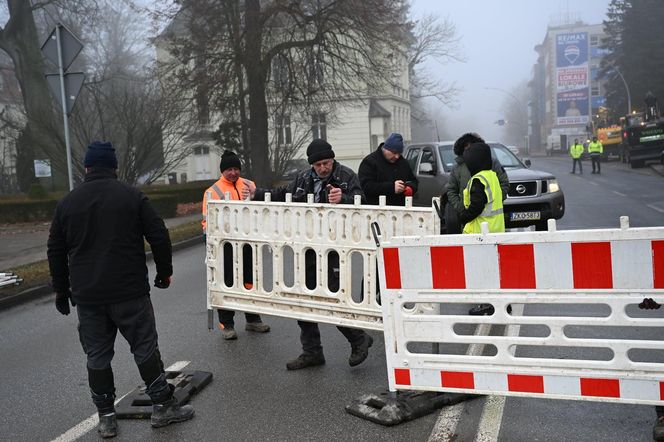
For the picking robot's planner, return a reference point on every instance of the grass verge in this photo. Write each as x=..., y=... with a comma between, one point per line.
x=36, y=274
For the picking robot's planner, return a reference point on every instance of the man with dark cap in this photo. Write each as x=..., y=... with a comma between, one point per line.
x=97, y=261
x=386, y=172
x=332, y=183
x=238, y=188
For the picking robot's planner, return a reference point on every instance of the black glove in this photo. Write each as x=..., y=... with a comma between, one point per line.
x=649, y=304
x=162, y=282
x=62, y=302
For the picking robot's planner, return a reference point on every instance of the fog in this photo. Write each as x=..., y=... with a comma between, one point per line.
x=498, y=38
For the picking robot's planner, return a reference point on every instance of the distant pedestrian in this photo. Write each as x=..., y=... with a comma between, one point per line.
x=386, y=172
x=96, y=257
x=332, y=183
x=575, y=151
x=595, y=149
x=239, y=189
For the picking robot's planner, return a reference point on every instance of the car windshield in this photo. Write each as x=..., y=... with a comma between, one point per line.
x=504, y=156
x=502, y=153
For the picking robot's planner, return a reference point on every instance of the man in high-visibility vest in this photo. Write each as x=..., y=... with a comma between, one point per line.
x=595, y=149
x=239, y=188
x=575, y=152
x=482, y=197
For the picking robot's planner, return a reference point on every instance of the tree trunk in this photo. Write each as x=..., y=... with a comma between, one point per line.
x=256, y=85
x=21, y=42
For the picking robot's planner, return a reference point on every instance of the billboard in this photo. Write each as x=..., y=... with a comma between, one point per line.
x=572, y=79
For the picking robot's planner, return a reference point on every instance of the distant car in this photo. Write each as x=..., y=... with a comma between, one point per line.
x=533, y=198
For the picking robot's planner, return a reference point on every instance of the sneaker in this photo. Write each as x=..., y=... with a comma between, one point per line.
x=228, y=333
x=306, y=360
x=482, y=310
x=360, y=352
x=108, y=425
x=170, y=412
x=658, y=429
x=258, y=327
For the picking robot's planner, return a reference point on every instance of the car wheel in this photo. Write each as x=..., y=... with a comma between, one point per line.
x=541, y=226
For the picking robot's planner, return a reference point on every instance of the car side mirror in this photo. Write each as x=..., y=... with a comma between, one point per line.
x=426, y=168
x=527, y=162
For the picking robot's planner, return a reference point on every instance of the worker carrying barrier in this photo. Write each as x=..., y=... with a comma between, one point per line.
x=270, y=243
x=568, y=301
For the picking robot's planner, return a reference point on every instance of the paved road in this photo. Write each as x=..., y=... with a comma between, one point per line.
x=44, y=391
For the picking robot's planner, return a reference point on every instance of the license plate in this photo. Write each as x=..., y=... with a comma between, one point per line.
x=525, y=216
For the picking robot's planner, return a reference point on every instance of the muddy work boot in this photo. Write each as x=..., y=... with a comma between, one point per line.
x=306, y=360
x=360, y=351
x=228, y=333
x=258, y=327
x=658, y=429
x=170, y=412
x=108, y=425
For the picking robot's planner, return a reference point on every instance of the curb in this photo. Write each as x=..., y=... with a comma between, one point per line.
x=41, y=291
x=658, y=168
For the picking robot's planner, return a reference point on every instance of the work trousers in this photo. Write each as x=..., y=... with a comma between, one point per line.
x=595, y=159
x=99, y=324
x=574, y=163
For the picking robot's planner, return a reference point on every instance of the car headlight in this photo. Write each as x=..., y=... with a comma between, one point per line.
x=553, y=186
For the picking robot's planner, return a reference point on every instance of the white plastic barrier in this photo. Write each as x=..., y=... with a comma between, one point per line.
x=278, y=235
x=574, y=329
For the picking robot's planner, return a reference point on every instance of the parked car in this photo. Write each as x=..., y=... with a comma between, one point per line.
x=533, y=198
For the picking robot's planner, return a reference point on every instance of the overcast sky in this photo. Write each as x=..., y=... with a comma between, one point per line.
x=498, y=39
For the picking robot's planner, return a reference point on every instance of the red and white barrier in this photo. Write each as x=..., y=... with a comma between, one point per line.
x=568, y=301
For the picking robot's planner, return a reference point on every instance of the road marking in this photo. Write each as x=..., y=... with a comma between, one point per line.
x=618, y=193
x=655, y=207
x=593, y=183
x=492, y=414
x=90, y=423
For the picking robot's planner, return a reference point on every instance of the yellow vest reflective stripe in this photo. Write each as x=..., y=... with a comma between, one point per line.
x=493, y=210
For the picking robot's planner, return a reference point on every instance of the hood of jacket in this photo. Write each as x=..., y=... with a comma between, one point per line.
x=477, y=157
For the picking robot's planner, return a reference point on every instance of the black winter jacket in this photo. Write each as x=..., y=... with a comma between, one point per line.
x=377, y=177
x=303, y=184
x=96, y=247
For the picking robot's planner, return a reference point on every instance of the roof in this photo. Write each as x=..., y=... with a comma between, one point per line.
x=377, y=111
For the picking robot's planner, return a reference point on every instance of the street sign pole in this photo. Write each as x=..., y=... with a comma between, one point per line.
x=65, y=116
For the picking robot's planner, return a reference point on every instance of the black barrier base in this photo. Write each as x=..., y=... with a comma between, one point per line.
x=394, y=408
x=137, y=404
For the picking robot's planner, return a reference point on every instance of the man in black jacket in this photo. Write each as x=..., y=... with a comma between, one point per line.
x=96, y=258
x=332, y=183
x=386, y=172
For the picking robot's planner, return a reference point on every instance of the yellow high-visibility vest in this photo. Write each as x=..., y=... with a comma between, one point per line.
x=493, y=211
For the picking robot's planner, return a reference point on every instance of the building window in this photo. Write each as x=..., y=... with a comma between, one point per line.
x=594, y=91
x=319, y=126
x=201, y=150
x=284, y=131
x=280, y=71
x=594, y=40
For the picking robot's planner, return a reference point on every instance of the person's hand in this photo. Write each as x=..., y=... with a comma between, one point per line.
x=62, y=302
x=249, y=190
x=399, y=186
x=408, y=191
x=649, y=304
x=162, y=282
x=333, y=194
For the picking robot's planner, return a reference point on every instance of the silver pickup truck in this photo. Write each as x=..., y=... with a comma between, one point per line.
x=534, y=196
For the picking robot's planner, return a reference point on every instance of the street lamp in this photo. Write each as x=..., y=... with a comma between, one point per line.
x=629, y=97
x=522, y=111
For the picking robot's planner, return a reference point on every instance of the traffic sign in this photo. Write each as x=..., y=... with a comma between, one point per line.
x=71, y=46
x=73, y=84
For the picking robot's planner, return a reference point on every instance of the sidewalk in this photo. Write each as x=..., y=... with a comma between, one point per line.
x=25, y=243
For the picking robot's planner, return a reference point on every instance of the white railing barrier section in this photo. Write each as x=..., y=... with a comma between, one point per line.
x=568, y=301
x=274, y=238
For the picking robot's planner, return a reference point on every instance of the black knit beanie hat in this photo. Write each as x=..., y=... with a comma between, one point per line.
x=229, y=159
x=101, y=154
x=319, y=150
